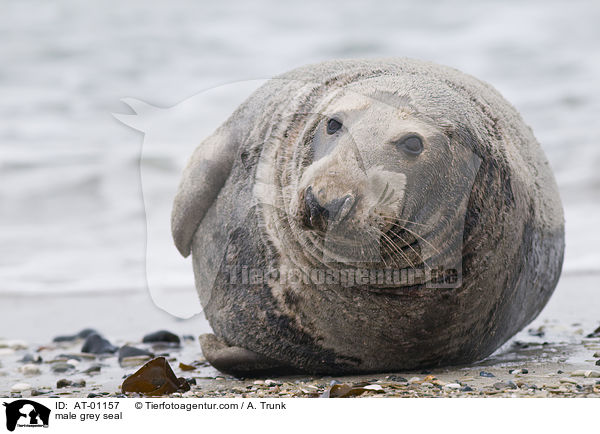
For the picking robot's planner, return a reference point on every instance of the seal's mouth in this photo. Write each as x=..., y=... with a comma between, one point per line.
x=403, y=239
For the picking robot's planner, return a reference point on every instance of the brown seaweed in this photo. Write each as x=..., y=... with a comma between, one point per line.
x=155, y=378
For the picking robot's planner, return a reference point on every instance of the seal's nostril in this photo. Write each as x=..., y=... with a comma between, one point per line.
x=317, y=216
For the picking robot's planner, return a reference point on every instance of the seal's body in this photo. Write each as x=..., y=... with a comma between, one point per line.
x=363, y=216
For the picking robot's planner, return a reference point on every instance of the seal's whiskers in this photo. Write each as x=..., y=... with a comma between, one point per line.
x=397, y=249
x=413, y=233
x=396, y=219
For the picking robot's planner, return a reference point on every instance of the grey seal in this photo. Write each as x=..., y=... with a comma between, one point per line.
x=359, y=216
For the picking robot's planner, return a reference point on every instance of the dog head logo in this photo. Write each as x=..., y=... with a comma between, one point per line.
x=26, y=413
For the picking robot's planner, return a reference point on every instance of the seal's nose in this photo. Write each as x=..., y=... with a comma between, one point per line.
x=317, y=216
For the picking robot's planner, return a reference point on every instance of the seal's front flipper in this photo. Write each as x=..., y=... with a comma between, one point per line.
x=239, y=361
x=203, y=178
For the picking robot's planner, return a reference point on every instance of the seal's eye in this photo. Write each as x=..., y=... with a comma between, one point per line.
x=333, y=125
x=411, y=144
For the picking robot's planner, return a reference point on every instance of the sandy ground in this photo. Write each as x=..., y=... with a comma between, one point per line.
x=552, y=357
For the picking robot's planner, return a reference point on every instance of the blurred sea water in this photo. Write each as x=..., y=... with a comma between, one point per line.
x=72, y=217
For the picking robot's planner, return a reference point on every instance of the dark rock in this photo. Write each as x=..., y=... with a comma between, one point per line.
x=63, y=382
x=61, y=367
x=155, y=378
x=65, y=338
x=486, y=374
x=80, y=383
x=36, y=392
x=81, y=335
x=162, y=336
x=93, y=369
x=519, y=345
x=524, y=371
x=502, y=385
x=96, y=344
x=128, y=351
x=396, y=378
x=466, y=389
x=86, y=332
x=191, y=381
x=597, y=362
x=560, y=372
x=30, y=358
x=594, y=334
x=94, y=395
x=539, y=332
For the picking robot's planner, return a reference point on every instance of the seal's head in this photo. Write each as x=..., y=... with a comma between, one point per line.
x=376, y=173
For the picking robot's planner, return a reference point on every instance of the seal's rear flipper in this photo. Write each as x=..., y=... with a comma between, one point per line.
x=238, y=361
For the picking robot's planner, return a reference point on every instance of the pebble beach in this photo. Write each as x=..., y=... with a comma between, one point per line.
x=60, y=369
x=556, y=356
